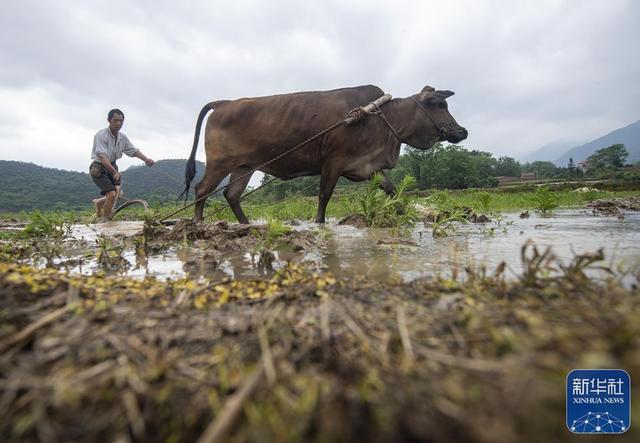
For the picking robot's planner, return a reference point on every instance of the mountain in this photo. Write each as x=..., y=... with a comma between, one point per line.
x=26, y=186
x=548, y=151
x=163, y=182
x=629, y=136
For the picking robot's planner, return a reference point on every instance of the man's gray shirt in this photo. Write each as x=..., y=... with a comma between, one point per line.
x=105, y=143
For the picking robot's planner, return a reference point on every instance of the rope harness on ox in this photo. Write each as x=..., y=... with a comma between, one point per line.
x=355, y=115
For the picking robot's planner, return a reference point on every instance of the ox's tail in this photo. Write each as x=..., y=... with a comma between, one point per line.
x=190, y=169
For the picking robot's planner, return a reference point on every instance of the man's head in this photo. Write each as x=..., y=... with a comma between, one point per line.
x=115, y=119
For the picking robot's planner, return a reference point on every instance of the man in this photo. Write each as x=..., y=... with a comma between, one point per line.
x=108, y=146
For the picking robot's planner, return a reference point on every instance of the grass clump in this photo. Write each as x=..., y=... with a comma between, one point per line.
x=544, y=200
x=110, y=255
x=444, y=225
x=383, y=211
x=268, y=240
x=47, y=224
x=484, y=199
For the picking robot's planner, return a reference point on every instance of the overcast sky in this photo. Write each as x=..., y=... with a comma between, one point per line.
x=525, y=73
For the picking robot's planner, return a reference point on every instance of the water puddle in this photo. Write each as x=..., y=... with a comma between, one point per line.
x=92, y=232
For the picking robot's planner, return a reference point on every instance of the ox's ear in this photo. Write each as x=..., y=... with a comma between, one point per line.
x=436, y=96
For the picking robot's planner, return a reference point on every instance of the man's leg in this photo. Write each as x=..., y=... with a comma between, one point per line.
x=108, y=204
x=98, y=204
x=105, y=182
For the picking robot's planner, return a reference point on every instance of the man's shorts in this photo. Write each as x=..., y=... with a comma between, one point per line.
x=103, y=178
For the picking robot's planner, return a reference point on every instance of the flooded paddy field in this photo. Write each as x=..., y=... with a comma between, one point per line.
x=229, y=250
x=222, y=332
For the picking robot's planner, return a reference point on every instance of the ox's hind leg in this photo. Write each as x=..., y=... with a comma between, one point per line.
x=213, y=175
x=233, y=192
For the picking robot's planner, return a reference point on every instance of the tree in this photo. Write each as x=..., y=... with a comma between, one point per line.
x=571, y=167
x=449, y=166
x=508, y=166
x=418, y=164
x=544, y=169
x=612, y=156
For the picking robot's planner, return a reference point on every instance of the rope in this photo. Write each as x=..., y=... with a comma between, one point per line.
x=424, y=111
x=264, y=205
x=286, y=197
x=377, y=111
x=225, y=206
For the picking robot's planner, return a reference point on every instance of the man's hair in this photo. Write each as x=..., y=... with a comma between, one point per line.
x=113, y=112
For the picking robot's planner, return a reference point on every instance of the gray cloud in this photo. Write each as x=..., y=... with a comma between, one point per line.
x=525, y=73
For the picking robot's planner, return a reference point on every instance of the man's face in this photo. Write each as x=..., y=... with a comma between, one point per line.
x=116, y=122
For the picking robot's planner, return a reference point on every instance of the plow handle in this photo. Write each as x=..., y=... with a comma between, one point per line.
x=350, y=118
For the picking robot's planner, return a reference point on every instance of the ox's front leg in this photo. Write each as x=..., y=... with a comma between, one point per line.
x=328, y=180
x=387, y=185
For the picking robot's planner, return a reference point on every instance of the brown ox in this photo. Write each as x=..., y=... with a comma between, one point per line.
x=243, y=134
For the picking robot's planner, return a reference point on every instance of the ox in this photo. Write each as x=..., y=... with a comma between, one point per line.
x=243, y=134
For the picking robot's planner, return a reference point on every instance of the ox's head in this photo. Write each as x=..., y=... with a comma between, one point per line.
x=431, y=121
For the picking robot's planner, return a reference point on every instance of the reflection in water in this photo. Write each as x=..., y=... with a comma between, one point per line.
x=347, y=251
x=569, y=232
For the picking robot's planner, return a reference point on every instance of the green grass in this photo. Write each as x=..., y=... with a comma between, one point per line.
x=304, y=208
x=512, y=202
x=545, y=200
x=381, y=210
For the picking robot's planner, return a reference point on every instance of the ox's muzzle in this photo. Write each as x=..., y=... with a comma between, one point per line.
x=454, y=136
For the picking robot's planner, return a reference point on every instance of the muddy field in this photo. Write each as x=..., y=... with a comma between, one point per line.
x=305, y=334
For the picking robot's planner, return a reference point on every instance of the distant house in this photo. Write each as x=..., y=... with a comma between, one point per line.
x=529, y=176
x=502, y=179
x=583, y=165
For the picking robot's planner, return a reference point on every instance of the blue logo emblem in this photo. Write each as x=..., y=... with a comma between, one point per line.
x=598, y=401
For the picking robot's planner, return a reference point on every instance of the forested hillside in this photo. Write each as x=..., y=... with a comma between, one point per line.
x=26, y=186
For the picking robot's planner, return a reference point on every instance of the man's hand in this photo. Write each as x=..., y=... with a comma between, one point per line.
x=149, y=162
x=116, y=176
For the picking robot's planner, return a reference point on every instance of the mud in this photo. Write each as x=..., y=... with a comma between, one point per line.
x=224, y=237
x=615, y=206
x=433, y=216
x=355, y=220
x=303, y=356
